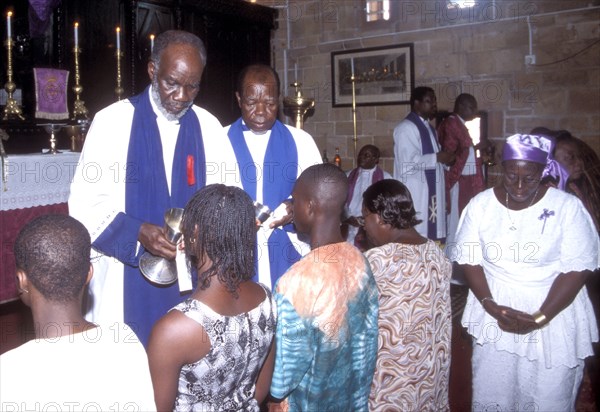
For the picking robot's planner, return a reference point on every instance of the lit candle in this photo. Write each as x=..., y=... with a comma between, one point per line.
x=151, y=43
x=118, y=39
x=352, y=66
x=8, y=28
x=296, y=72
x=76, y=33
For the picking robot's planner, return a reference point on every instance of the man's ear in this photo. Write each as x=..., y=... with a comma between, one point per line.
x=90, y=274
x=151, y=68
x=239, y=99
x=24, y=287
x=22, y=281
x=312, y=206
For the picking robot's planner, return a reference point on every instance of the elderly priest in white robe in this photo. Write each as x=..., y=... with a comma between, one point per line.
x=141, y=157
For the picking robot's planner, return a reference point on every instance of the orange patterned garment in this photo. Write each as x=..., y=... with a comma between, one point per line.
x=413, y=354
x=326, y=339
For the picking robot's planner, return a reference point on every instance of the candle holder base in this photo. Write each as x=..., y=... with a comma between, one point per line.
x=12, y=111
x=80, y=112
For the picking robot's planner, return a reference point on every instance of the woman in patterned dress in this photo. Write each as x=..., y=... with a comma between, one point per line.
x=413, y=278
x=212, y=351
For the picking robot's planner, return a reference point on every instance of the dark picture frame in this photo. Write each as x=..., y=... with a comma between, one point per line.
x=384, y=75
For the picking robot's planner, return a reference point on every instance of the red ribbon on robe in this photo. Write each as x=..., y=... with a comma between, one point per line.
x=191, y=177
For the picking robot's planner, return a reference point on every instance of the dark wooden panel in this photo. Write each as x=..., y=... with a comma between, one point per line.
x=232, y=41
x=98, y=21
x=236, y=33
x=150, y=19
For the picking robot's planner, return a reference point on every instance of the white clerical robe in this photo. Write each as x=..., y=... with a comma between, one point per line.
x=409, y=167
x=308, y=155
x=363, y=181
x=98, y=188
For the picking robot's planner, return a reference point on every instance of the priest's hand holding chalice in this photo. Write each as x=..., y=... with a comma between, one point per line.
x=157, y=264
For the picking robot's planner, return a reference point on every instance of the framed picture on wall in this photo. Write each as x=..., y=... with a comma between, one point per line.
x=383, y=75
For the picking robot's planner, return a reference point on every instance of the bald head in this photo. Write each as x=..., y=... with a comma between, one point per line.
x=260, y=73
x=327, y=184
x=54, y=252
x=318, y=198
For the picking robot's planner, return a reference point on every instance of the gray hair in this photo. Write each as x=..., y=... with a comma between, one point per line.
x=169, y=37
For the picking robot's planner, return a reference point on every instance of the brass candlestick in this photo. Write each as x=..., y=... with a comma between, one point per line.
x=12, y=109
x=79, y=109
x=119, y=90
x=298, y=105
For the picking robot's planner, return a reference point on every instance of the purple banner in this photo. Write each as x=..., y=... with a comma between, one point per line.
x=51, y=93
x=39, y=14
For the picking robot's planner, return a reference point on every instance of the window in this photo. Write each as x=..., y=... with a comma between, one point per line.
x=460, y=4
x=377, y=10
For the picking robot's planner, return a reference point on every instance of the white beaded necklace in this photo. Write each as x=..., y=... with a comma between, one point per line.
x=512, y=223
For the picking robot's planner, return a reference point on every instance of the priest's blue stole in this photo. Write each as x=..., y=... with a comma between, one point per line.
x=279, y=169
x=147, y=199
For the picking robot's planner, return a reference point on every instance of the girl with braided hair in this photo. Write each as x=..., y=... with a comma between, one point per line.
x=212, y=351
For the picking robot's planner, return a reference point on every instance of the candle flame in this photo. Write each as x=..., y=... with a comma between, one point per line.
x=76, y=24
x=118, y=29
x=152, y=37
x=9, y=14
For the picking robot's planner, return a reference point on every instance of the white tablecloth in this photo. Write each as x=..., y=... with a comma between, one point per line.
x=37, y=180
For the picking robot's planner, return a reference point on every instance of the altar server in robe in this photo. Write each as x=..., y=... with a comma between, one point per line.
x=360, y=178
x=464, y=179
x=142, y=156
x=271, y=155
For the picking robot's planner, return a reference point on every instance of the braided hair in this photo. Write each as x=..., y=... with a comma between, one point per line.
x=219, y=224
x=391, y=200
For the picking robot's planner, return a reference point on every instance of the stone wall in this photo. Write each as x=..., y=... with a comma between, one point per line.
x=480, y=50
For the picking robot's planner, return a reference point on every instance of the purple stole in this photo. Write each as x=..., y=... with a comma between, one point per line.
x=430, y=175
x=353, y=177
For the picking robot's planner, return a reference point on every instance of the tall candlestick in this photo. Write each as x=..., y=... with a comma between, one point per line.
x=11, y=108
x=76, y=34
x=151, y=43
x=8, y=27
x=118, y=39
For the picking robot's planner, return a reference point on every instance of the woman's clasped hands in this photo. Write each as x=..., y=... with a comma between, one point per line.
x=511, y=320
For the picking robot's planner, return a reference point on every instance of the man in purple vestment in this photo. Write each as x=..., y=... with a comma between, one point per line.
x=419, y=163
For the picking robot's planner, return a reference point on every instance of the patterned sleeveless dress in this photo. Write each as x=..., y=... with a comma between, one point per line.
x=224, y=380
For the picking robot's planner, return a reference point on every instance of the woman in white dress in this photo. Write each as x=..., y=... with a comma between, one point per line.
x=527, y=250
